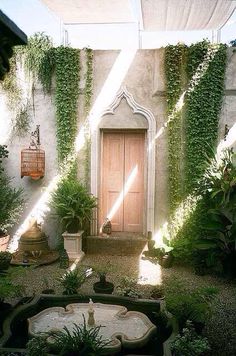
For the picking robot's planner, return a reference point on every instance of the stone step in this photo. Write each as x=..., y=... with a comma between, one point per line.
x=125, y=244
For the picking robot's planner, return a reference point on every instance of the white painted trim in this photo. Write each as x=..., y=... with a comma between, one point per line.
x=95, y=140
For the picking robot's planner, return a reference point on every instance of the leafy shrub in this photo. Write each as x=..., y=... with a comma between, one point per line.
x=189, y=343
x=218, y=188
x=8, y=289
x=37, y=346
x=128, y=287
x=189, y=305
x=72, y=280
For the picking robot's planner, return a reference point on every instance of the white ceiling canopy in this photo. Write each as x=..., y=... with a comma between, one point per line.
x=186, y=15
x=91, y=11
x=157, y=15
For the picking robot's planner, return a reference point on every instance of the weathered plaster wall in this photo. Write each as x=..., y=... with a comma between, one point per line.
x=228, y=114
x=145, y=81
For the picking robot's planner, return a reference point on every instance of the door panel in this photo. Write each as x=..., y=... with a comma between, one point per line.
x=123, y=181
x=112, y=179
x=134, y=174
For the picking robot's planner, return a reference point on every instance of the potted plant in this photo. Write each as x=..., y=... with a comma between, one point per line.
x=74, y=205
x=71, y=281
x=103, y=286
x=11, y=203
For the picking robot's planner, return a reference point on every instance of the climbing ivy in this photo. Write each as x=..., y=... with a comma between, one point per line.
x=88, y=97
x=191, y=131
x=175, y=81
x=67, y=69
x=206, y=71
x=35, y=57
x=88, y=79
x=17, y=102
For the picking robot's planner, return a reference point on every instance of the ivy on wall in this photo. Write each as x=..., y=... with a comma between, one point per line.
x=175, y=80
x=88, y=97
x=17, y=103
x=191, y=130
x=67, y=69
x=206, y=72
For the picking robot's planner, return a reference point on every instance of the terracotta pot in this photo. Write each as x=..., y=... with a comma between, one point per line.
x=4, y=242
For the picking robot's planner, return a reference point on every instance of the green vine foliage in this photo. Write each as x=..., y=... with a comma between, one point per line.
x=17, y=104
x=174, y=69
x=35, y=57
x=191, y=131
x=89, y=79
x=67, y=69
x=88, y=97
x=203, y=105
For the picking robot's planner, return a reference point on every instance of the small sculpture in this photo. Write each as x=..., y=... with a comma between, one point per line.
x=91, y=320
x=106, y=227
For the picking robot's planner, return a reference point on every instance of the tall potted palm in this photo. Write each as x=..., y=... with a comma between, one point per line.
x=74, y=205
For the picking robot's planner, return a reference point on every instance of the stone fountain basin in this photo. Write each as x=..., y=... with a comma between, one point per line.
x=129, y=329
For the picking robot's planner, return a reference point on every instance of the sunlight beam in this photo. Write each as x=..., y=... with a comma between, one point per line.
x=123, y=193
x=149, y=273
x=104, y=99
x=111, y=86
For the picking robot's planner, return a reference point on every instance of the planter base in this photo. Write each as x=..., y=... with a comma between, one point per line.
x=73, y=245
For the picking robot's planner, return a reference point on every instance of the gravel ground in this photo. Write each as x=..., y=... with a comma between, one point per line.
x=220, y=328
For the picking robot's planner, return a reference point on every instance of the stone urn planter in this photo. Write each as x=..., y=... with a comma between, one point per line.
x=73, y=245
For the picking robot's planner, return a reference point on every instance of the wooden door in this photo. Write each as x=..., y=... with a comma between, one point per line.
x=122, y=181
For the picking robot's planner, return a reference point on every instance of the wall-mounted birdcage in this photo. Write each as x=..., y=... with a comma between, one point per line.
x=33, y=158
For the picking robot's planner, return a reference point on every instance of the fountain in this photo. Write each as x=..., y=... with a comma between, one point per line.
x=122, y=328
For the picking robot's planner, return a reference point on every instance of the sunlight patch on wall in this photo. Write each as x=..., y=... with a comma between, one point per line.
x=111, y=86
x=228, y=142
x=160, y=235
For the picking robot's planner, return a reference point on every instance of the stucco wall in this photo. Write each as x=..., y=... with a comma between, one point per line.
x=144, y=79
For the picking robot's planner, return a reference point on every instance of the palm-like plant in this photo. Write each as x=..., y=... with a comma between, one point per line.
x=218, y=188
x=73, y=204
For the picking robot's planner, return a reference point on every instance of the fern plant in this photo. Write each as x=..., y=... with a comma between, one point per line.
x=79, y=341
x=73, y=204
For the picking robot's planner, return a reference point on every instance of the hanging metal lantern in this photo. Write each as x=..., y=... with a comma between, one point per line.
x=33, y=158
